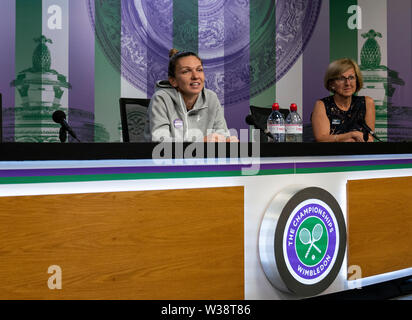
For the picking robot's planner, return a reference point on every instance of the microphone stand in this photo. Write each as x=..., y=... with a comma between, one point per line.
x=60, y=117
x=366, y=135
x=62, y=135
x=367, y=131
x=376, y=137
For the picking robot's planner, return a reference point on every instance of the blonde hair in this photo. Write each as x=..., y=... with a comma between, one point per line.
x=172, y=52
x=337, y=67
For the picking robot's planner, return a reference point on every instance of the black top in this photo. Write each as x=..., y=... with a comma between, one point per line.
x=345, y=121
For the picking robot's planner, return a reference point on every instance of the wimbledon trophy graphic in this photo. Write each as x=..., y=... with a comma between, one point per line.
x=379, y=82
x=41, y=89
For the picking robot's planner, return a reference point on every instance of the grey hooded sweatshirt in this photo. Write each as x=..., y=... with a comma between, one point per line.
x=169, y=120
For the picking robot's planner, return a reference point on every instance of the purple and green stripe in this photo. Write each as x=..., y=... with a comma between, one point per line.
x=16, y=176
x=95, y=72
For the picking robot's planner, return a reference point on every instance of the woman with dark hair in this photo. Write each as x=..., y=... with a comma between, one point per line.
x=182, y=109
x=339, y=117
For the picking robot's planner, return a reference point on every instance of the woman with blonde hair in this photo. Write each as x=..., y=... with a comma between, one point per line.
x=340, y=117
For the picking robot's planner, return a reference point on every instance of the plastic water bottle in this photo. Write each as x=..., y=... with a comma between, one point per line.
x=294, y=127
x=276, y=124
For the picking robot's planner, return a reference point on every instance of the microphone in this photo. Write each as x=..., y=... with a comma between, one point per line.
x=60, y=117
x=251, y=120
x=364, y=126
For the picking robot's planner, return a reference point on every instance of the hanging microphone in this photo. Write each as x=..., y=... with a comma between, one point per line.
x=363, y=125
x=251, y=120
x=60, y=117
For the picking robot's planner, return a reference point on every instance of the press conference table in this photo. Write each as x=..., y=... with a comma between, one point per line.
x=147, y=221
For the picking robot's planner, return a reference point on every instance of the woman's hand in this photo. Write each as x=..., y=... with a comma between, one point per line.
x=215, y=137
x=232, y=139
x=352, y=136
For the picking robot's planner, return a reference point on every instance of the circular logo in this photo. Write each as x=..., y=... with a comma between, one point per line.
x=148, y=31
x=310, y=241
x=302, y=240
x=178, y=123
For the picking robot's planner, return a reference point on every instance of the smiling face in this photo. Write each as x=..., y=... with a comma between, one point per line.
x=189, y=78
x=345, y=84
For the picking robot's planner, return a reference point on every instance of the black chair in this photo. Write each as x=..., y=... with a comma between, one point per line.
x=308, y=132
x=261, y=115
x=133, y=118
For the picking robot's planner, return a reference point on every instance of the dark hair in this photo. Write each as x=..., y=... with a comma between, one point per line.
x=175, y=55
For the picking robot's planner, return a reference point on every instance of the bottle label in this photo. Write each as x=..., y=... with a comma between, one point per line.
x=276, y=128
x=294, y=128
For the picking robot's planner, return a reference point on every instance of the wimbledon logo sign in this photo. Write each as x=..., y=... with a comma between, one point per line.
x=310, y=241
x=302, y=240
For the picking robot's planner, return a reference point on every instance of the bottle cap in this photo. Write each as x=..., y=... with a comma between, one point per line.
x=275, y=106
x=293, y=107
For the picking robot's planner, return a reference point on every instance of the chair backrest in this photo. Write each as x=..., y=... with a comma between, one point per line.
x=133, y=118
x=261, y=115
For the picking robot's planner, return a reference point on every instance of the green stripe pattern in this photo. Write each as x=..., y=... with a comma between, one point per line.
x=262, y=46
x=107, y=72
x=185, y=25
x=196, y=174
x=343, y=40
x=28, y=28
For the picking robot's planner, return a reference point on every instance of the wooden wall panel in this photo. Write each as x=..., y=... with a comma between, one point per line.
x=380, y=224
x=172, y=244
